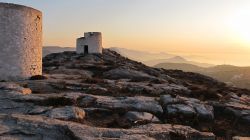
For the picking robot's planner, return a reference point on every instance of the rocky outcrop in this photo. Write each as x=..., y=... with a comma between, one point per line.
x=107, y=96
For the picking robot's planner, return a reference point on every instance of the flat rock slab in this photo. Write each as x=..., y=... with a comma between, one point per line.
x=15, y=88
x=37, y=127
x=124, y=104
x=125, y=73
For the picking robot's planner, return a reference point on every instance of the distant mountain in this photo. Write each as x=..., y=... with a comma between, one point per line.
x=226, y=68
x=180, y=66
x=152, y=59
x=141, y=56
x=233, y=75
x=55, y=49
x=176, y=59
x=239, y=76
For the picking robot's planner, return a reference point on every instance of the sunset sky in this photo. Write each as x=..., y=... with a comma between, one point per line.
x=212, y=31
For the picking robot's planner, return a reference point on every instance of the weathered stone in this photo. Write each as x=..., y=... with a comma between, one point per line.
x=39, y=110
x=65, y=77
x=41, y=87
x=140, y=117
x=136, y=137
x=47, y=99
x=204, y=112
x=97, y=111
x=123, y=104
x=121, y=73
x=188, y=107
x=180, y=109
x=168, y=99
x=9, y=105
x=16, y=127
x=87, y=101
x=13, y=87
x=146, y=88
x=246, y=119
x=67, y=113
x=37, y=127
x=66, y=71
x=174, y=132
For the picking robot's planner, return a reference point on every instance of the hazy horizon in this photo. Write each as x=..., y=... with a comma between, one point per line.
x=212, y=31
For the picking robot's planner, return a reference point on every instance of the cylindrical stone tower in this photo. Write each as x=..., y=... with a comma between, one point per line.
x=90, y=43
x=20, y=42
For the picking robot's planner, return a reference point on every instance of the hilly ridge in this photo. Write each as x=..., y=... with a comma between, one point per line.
x=233, y=75
x=180, y=66
x=152, y=59
x=55, y=49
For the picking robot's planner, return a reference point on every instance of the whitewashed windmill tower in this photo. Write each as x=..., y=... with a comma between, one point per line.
x=90, y=43
x=20, y=42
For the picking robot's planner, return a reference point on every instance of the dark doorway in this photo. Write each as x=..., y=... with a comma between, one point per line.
x=86, y=49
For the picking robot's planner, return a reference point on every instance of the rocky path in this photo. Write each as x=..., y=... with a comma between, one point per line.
x=111, y=97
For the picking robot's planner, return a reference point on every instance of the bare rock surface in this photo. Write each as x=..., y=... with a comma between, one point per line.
x=124, y=73
x=181, y=107
x=67, y=113
x=137, y=118
x=107, y=96
x=123, y=104
x=17, y=126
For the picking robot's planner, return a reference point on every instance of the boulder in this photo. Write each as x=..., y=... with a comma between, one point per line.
x=204, y=112
x=15, y=88
x=187, y=107
x=39, y=110
x=132, y=118
x=174, y=110
x=67, y=113
x=86, y=101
